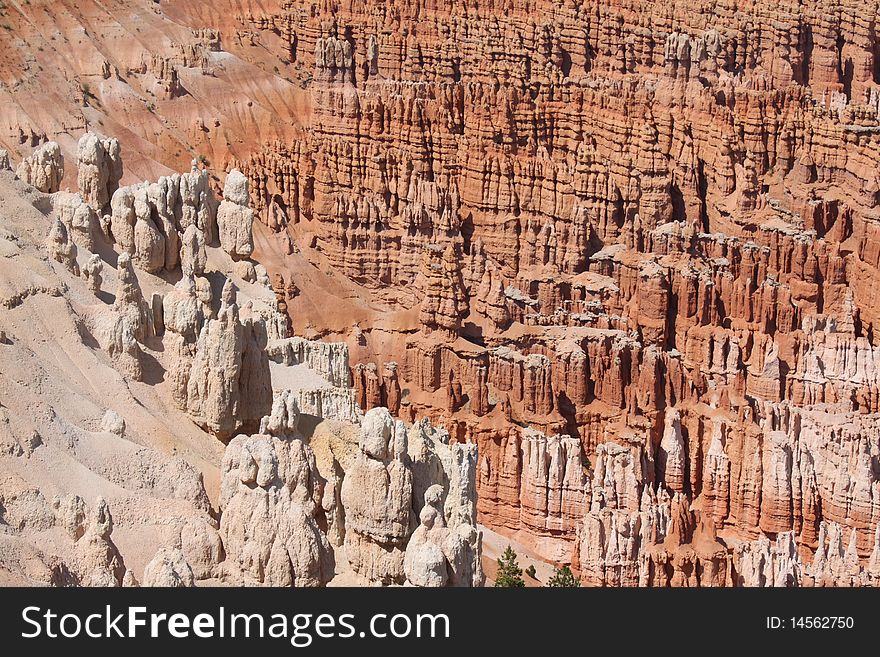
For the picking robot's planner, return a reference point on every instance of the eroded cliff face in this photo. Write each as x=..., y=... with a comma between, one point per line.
x=616, y=224
x=177, y=400
x=626, y=250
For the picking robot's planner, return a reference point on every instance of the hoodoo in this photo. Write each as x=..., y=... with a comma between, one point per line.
x=382, y=287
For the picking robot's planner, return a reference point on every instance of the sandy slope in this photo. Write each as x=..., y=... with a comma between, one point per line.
x=69, y=66
x=57, y=384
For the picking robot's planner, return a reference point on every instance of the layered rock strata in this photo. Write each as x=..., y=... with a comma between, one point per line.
x=188, y=367
x=657, y=238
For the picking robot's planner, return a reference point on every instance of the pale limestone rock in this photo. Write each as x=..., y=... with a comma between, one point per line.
x=166, y=223
x=149, y=242
x=61, y=247
x=271, y=499
x=5, y=164
x=127, y=323
x=113, y=423
x=99, y=169
x=633, y=535
x=284, y=418
x=123, y=218
x=113, y=150
x=235, y=223
x=163, y=197
x=836, y=565
x=97, y=558
x=205, y=296
x=121, y=344
x=182, y=311
x=377, y=498
x=183, y=319
x=85, y=227
x=436, y=554
x=262, y=276
x=181, y=353
x=70, y=515
x=329, y=359
x=436, y=461
x=331, y=403
x=277, y=323
x=235, y=190
x=168, y=569
x=672, y=455
x=229, y=383
x=245, y=271
x=202, y=548
x=79, y=217
x=193, y=257
x=25, y=508
x=255, y=383
x=198, y=204
x=769, y=563
x=617, y=478
x=92, y=271
x=44, y=168
x=213, y=393
x=130, y=303
x=235, y=219
x=425, y=563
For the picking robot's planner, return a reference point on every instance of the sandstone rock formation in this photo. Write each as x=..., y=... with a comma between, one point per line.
x=95, y=559
x=437, y=555
x=44, y=168
x=235, y=219
x=227, y=385
x=103, y=345
x=80, y=219
x=425, y=563
x=168, y=569
x=129, y=322
x=150, y=221
x=377, y=497
x=99, y=169
x=92, y=270
x=61, y=247
x=271, y=497
x=201, y=372
x=184, y=318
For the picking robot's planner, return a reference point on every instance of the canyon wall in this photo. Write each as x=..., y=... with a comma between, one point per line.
x=628, y=251
x=637, y=224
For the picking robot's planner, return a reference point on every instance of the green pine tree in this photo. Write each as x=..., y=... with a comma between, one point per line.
x=509, y=573
x=564, y=578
